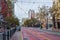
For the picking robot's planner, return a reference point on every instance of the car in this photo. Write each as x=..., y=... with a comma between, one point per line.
x=18, y=28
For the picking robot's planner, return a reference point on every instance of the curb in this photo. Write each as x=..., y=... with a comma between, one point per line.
x=50, y=32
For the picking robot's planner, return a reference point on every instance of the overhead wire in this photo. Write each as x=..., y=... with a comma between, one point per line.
x=29, y=3
x=21, y=9
x=32, y=2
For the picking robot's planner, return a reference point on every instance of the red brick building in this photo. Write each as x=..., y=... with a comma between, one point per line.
x=5, y=9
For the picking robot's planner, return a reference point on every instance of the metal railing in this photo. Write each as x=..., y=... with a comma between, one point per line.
x=7, y=34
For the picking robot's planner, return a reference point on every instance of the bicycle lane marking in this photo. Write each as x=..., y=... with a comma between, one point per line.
x=32, y=37
x=40, y=36
x=27, y=36
x=52, y=37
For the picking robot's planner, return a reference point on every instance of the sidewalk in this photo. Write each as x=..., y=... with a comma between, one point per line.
x=54, y=30
x=51, y=32
x=17, y=36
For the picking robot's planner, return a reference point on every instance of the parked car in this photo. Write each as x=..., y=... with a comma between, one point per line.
x=18, y=28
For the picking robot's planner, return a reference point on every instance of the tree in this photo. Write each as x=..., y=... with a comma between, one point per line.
x=55, y=9
x=12, y=21
x=44, y=13
x=30, y=22
x=17, y=21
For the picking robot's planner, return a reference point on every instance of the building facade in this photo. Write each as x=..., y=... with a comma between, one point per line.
x=23, y=20
x=31, y=14
x=7, y=7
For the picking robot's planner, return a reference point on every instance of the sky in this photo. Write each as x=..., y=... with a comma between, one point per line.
x=22, y=6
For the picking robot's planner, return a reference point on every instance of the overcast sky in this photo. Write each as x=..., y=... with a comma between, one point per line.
x=22, y=6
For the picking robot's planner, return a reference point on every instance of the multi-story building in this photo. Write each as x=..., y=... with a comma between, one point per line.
x=31, y=14
x=1, y=12
x=7, y=7
x=6, y=10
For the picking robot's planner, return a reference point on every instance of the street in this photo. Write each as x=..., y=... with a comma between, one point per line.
x=29, y=19
x=36, y=34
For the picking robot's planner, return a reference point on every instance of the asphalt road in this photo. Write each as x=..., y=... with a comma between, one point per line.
x=35, y=34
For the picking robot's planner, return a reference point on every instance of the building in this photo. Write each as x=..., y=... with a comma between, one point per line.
x=23, y=20
x=31, y=14
x=4, y=9
x=7, y=7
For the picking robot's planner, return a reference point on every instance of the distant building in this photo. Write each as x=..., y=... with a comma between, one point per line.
x=31, y=14
x=23, y=20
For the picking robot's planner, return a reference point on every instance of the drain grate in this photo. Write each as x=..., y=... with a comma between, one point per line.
x=25, y=39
